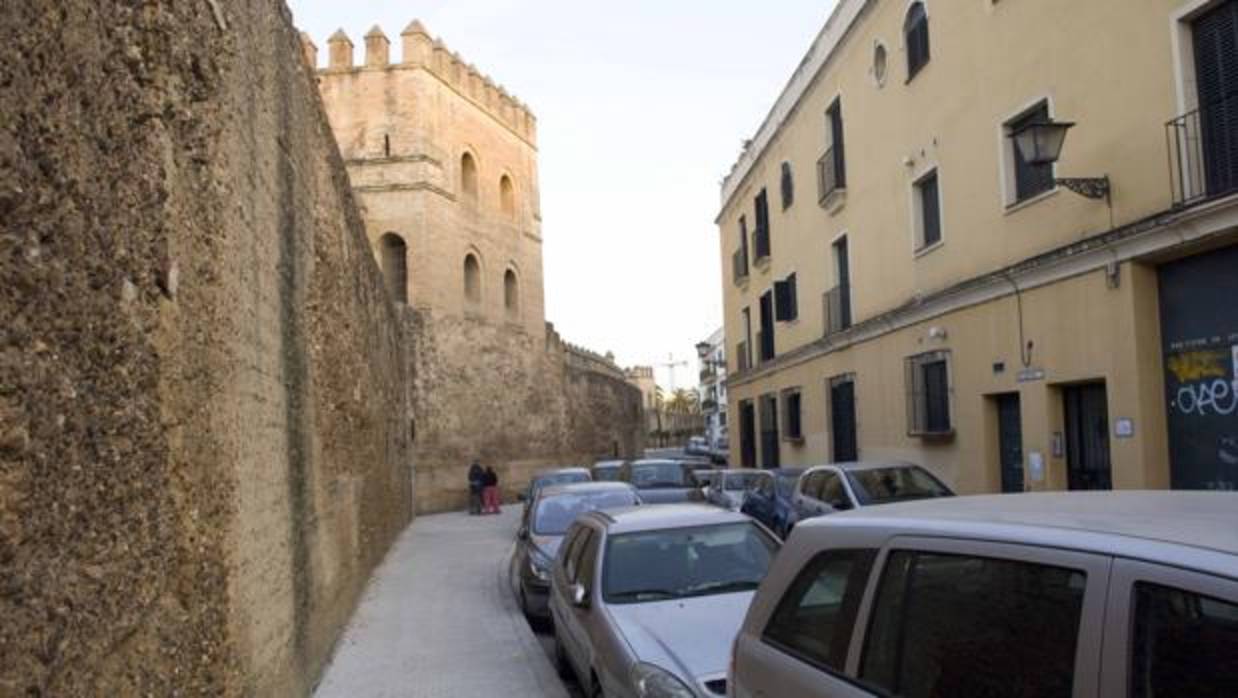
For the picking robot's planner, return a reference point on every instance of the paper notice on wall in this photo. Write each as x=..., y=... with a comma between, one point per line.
x=1036, y=466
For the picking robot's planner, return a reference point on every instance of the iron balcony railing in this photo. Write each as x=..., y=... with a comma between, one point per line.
x=829, y=175
x=1203, y=152
x=741, y=356
x=760, y=239
x=837, y=305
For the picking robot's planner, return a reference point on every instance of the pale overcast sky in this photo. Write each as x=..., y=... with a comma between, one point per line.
x=642, y=106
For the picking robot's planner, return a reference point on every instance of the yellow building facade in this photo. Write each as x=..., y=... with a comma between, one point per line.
x=903, y=282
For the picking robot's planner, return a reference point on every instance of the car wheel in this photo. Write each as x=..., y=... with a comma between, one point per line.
x=562, y=664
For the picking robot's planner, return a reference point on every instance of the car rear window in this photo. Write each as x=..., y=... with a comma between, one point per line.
x=555, y=514
x=662, y=474
x=955, y=625
x=895, y=484
x=678, y=563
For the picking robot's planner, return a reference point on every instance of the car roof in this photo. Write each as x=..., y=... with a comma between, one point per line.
x=854, y=466
x=574, y=470
x=585, y=488
x=609, y=464
x=787, y=471
x=662, y=516
x=656, y=461
x=1162, y=526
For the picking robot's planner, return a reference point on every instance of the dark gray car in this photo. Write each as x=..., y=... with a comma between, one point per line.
x=549, y=514
x=662, y=481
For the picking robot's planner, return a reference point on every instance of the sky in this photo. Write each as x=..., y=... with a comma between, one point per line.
x=642, y=107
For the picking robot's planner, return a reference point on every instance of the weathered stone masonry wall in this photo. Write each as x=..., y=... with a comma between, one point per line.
x=204, y=428
x=521, y=403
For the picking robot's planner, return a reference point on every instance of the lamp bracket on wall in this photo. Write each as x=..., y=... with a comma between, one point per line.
x=1091, y=187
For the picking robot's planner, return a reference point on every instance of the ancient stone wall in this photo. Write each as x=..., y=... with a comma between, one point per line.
x=512, y=400
x=204, y=428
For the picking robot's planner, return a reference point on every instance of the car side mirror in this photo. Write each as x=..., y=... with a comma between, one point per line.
x=580, y=595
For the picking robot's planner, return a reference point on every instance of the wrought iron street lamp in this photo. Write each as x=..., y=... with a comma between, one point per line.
x=1040, y=143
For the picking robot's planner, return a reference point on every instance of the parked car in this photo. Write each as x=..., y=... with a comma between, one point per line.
x=661, y=481
x=730, y=487
x=558, y=476
x=825, y=489
x=1061, y=594
x=606, y=470
x=772, y=501
x=552, y=510
x=720, y=450
x=697, y=446
x=647, y=601
x=703, y=478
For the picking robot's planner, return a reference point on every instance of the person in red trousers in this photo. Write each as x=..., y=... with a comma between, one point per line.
x=490, y=495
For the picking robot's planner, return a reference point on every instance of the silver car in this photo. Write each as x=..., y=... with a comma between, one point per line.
x=826, y=489
x=1053, y=594
x=729, y=488
x=646, y=601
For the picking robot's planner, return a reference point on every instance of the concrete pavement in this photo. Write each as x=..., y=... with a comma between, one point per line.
x=438, y=620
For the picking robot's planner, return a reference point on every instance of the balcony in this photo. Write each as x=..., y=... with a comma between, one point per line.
x=739, y=266
x=1203, y=152
x=837, y=305
x=708, y=375
x=830, y=179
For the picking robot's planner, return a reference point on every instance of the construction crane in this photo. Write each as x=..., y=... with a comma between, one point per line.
x=670, y=365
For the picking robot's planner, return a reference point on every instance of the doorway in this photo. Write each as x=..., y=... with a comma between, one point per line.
x=1010, y=441
x=747, y=434
x=769, y=432
x=842, y=420
x=1087, y=437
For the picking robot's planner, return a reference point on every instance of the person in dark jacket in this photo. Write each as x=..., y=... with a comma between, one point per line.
x=477, y=482
x=490, y=495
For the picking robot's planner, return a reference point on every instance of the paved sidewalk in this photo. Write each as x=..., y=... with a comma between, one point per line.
x=438, y=619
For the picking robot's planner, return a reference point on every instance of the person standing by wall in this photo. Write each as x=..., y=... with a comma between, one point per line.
x=477, y=479
x=491, y=493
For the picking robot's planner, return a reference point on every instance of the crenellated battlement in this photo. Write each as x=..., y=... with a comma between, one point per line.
x=421, y=51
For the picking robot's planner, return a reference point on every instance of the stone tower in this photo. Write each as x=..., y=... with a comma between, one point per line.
x=444, y=166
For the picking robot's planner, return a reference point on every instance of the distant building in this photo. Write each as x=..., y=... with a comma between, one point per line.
x=712, y=390
x=913, y=273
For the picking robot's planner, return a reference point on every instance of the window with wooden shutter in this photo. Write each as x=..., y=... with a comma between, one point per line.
x=786, y=301
x=792, y=422
x=761, y=234
x=928, y=210
x=788, y=186
x=916, y=34
x=832, y=167
x=928, y=394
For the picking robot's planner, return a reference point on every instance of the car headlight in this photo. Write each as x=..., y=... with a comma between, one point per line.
x=655, y=682
x=539, y=567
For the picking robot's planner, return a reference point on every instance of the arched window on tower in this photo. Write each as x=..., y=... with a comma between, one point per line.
x=507, y=196
x=472, y=278
x=468, y=177
x=511, y=292
x=393, y=258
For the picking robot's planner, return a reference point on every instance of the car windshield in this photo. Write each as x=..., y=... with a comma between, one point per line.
x=560, y=479
x=685, y=562
x=660, y=474
x=554, y=514
x=895, y=484
x=786, y=484
x=739, y=482
x=606, y=473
